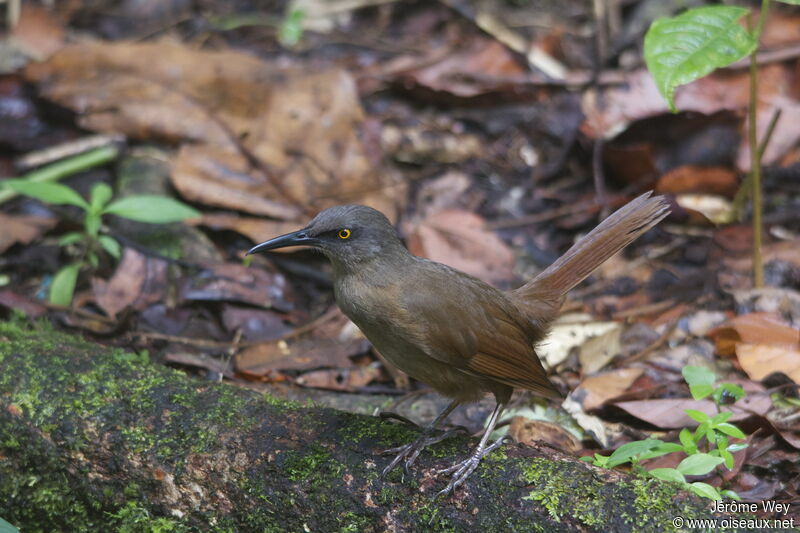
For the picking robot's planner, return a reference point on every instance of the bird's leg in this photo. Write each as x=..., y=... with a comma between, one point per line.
x=410, y=452
x=463, y=469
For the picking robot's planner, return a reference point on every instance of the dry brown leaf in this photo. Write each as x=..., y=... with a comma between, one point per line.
x=138, y=282
x=528, y=431
x=595, y=391
x=598, y=351
x=38, y=32
x=234, y=282
x=754, y=328
x=346, y=379
x=302, y=127
x=329, y=344
x=22, y=229
x=13, y=300
x=668, y=413
x=460, y=240
x=761, y=360
x=698, y=179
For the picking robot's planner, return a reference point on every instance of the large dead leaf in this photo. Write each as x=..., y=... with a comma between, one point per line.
x=460, y=240
x=233, y=282
x=755, y=329
x=138, y=282
x=668, y=413
x=345, y=379
x=595, y=391
x=761, y=360
x=264, y=139
x=329, y=344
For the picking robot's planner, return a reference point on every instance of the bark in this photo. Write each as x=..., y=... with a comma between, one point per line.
x=94, y=439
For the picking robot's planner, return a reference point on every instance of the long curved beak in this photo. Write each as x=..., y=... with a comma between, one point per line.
x=296, y=238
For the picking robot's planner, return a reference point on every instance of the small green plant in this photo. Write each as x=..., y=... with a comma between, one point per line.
x=682, y=49
x=87, y=245
x=706, y=448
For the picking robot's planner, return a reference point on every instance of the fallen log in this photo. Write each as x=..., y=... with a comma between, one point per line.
x=95, y=439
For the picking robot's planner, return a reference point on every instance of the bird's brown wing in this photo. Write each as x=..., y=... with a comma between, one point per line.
x=475, y=329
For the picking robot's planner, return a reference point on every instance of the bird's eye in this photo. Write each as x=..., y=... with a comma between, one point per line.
x=344, y=233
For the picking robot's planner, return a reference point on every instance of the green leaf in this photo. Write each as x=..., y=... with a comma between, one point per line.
x=719, y=418
x=689, y=445
x=5, y=527
x=704, y=490
x=730, y=429
x=63, y=286
x=50, y=193
x=664, y=449
x=700, y=416
x=667, y=474
x=100, y=195
x=793, y=2
x=699, y=464
x=111, y=246
x=92, y=222
x=151, y=208
x=728, y=457
x=681, y=49
x=731, y=495
x=291, y=29
x=70, y=238
x=630, y=450
x=698, y=375
x=701, y=391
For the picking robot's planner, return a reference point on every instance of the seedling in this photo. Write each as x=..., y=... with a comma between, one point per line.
x=87, y=245
x=705, y=448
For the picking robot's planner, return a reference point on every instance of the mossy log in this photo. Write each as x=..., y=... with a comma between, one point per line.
x=92, y=439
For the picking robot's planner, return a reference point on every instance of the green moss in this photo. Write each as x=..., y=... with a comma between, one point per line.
x=133, y=518
x=311, y=463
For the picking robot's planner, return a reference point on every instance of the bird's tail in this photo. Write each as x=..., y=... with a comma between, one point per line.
x=611, y=236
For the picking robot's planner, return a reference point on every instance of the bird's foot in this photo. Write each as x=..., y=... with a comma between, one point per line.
x=410, y=452
x=462, y=470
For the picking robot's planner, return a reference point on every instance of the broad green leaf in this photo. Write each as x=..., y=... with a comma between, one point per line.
x=111, y=246
x=698, y=464
x=728, y=457
x=100, y=195
x=681, y=49
x=50, y=193
x=664, y=449
x=700, y=416
x=689, y=445
x=704, y=490
x=719, y=418
x=63, y=286
x=151, y=208
x=730, y=429
x=793, y=2
x=701, y=391
x=92, y=222
x=698, y=375
x=668, y=474
x=731, y=495
x=630, y=450
x=70, y=238
x=5, y=527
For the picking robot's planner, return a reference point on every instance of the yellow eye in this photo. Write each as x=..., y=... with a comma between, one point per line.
x=344, y=233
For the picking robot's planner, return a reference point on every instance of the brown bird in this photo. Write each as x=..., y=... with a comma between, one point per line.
x=448, y=329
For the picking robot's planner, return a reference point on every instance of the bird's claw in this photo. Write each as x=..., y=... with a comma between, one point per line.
x=410, y=452
x=462, y=470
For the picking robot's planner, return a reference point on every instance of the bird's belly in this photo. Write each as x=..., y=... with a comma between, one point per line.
x=446, y=379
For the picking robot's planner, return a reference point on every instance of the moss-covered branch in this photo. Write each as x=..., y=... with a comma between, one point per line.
x=93, y=440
